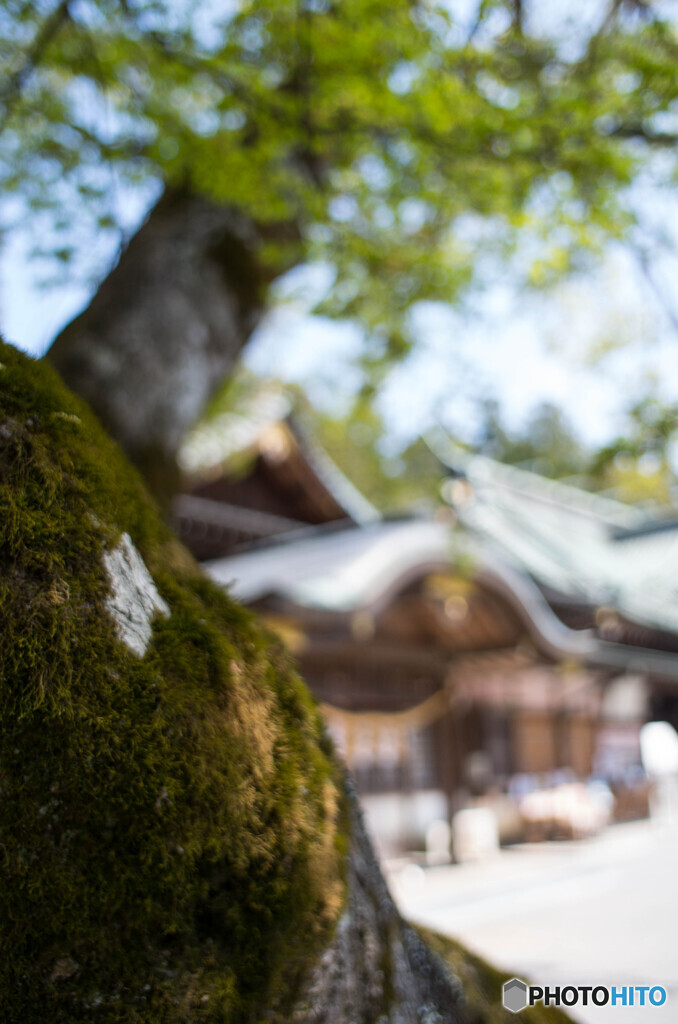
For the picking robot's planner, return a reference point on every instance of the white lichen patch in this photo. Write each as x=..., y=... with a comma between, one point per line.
x=134, y=598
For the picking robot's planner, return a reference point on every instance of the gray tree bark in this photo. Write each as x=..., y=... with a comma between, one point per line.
x=165, y=327
x=377, y=967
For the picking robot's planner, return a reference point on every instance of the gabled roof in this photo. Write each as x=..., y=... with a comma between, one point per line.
x=345, y=493
x=582, y=546
x=539, y=543
x=262, y=422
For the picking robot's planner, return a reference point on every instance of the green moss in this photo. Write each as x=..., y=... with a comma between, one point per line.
x=483, y=984
x=169, y=847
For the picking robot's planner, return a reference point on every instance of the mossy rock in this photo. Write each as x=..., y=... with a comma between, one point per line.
x=169, y=840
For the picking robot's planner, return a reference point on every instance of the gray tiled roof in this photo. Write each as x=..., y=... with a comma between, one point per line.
x=362, y=567
x=339, y=570
x=580, y=545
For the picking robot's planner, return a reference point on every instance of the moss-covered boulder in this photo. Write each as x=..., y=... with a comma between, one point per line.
x=177, y=842
x=169, y=848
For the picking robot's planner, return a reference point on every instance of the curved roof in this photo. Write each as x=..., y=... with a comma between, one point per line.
x=364, y=567
x=582, y=546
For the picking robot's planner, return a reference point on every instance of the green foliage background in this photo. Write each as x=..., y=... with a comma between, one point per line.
x=363, y=133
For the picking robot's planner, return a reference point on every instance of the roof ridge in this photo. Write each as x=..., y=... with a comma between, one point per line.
x=359, y=507
x=453, y=456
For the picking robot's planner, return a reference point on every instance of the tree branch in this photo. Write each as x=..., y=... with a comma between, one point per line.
x=639, y=131
x=482, y=6
x=643, y=260
x=11, y=94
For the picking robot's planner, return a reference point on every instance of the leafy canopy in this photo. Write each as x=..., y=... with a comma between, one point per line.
x=398, y=138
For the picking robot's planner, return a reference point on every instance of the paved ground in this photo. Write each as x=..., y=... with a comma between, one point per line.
x=599, y=911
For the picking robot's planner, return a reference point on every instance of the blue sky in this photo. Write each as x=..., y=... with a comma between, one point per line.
x=521, y=348
x=589, y=346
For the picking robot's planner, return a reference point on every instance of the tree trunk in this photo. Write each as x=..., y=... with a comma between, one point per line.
x=172, y=816
x=165, y=327
x=377, y=967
